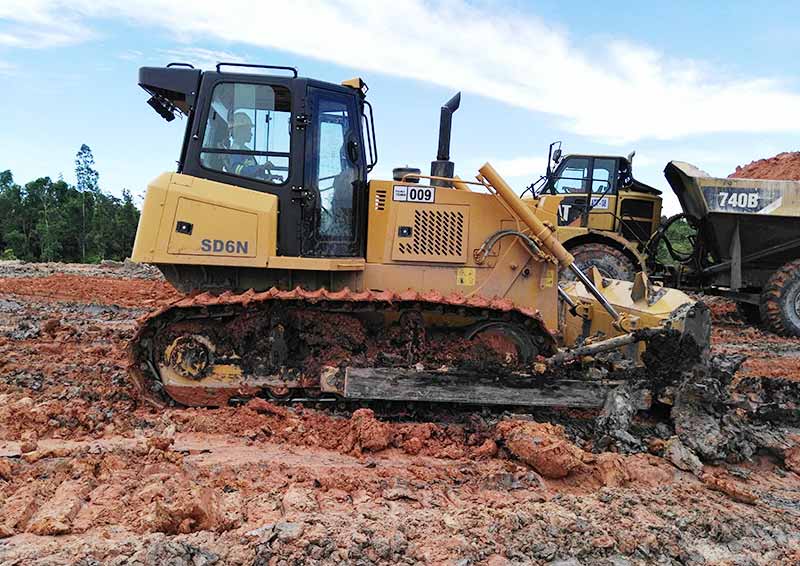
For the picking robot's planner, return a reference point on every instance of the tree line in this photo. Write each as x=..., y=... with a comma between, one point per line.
x=46, y=220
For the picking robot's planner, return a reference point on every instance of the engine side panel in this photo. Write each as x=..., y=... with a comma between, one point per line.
x=187, y=220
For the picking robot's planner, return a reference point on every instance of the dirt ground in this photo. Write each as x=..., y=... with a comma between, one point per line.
x=89, y=476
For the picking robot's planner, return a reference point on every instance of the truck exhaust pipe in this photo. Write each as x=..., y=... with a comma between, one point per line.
x=443, y=167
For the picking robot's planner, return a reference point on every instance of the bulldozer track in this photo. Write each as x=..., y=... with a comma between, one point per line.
x=203, y=308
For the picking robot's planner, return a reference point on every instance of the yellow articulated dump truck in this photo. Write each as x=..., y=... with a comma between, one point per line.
x=605, y=215
x=740, y=237
x=307, y=278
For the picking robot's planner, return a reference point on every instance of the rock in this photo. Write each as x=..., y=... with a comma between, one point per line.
x=395, y=493
x=486, y=450
x=298, y=500
x=412, y=446
x=368, y=432
x=791, y=458
x=264, y=532
x=160, y=442
x=51, y=326
x=497, y=560
x=729, y=488
x=603, y=541
x=17, y=509
x=174, y=553
x=611, y=470
x=567, y=562
x=29, y=442
x=56, y=515
x=399, y=543
x=5, y=469
x=264, y=407
x=289, y=531
x=615, y=419
x=543, y=446
x=170, y=431
x=682, y=457
x=181, y=509
x=381, y=546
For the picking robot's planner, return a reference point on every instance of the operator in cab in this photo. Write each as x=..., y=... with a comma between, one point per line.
x=241, y=134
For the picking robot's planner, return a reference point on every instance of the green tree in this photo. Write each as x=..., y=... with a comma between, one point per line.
x=47, y=220
x=87, y=178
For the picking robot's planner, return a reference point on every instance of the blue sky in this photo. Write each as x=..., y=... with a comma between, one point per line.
x=716, y=85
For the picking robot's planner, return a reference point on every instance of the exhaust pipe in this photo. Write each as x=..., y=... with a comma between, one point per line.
x=443, y=167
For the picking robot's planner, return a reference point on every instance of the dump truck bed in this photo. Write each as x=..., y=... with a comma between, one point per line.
x=749, y=227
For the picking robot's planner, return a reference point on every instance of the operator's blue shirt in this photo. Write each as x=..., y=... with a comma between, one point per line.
x=241, y=164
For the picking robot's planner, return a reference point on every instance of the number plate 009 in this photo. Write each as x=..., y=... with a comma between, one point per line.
x=404, y=193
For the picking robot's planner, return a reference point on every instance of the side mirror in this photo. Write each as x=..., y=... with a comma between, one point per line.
x=557, y=155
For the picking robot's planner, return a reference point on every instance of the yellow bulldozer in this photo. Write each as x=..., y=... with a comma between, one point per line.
x=306, y=280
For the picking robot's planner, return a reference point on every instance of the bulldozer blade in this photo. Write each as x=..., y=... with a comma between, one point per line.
x=397, y=384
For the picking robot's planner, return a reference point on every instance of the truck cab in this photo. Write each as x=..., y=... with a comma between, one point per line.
x=601, y=205
x=306, y=144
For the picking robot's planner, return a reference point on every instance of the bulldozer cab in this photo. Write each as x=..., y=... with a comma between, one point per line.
x=599, y=192
x=299, y=139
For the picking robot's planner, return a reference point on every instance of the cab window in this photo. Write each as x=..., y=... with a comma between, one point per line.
x=335, y=169
x=603, y=176
x=573, y=177
x=248, y=132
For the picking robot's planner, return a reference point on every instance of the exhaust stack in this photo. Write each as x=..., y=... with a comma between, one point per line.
x=443, y=167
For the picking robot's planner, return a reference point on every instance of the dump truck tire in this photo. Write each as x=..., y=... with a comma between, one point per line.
x=610, y=261
x=780, y=300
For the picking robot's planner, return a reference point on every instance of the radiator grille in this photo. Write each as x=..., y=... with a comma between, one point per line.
x=637, y=207
x=436, y=233
x=380, y=200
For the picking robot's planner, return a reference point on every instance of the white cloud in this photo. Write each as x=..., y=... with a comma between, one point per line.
x=202, y=58
x=39, y=24
x=131, y=55
x=619, y=92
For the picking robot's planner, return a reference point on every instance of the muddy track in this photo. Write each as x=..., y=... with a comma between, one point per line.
x=332, y=335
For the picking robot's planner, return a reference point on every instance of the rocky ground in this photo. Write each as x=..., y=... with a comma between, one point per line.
x=90, y=476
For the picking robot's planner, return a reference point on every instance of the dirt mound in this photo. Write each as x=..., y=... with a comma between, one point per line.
x=784, y=166
x=107, y=268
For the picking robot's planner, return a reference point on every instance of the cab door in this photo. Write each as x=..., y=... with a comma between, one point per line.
x=247, y=133
x=334, y=213
x=587, y=189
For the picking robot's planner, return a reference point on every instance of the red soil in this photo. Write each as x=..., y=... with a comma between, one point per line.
x=785, y=166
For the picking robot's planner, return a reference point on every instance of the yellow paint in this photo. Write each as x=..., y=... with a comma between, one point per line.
x=216, y=211
x=317, y=263
x=465, y=277
x=549, y=277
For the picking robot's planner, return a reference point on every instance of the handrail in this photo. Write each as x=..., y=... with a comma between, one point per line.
x=255, y=66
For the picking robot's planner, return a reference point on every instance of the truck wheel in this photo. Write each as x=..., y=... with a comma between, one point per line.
x=611, y=262
x=780, y=300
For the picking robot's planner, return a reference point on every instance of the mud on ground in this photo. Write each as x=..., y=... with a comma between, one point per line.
x=90, y=476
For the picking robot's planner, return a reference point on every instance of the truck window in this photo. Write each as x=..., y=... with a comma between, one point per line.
x=573, y=177
x=335, y=172
x=248, y=132
x=603, y=176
